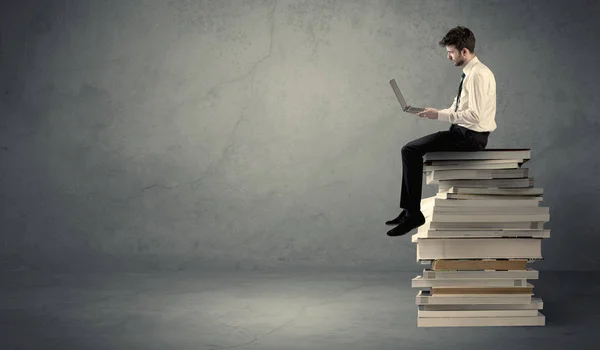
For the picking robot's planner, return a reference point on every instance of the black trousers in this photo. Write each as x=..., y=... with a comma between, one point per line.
x=457, y=138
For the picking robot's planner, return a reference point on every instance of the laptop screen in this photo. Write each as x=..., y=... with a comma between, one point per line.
x=398, y=94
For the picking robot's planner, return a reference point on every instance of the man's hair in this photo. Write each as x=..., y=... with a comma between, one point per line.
x=460, y=37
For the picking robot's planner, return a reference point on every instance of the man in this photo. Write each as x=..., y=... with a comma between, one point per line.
x=472, y=117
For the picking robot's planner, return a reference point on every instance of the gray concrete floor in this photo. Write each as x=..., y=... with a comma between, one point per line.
x=268, y=310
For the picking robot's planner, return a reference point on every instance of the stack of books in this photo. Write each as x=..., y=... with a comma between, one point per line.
x=482, y=228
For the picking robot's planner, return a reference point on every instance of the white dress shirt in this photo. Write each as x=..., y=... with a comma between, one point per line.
x=477, y=106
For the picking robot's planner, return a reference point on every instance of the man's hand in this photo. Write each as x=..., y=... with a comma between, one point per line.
x=430, y=113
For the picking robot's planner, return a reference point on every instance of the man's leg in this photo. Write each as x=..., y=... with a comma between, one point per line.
x=412, y=165
x=412, y=175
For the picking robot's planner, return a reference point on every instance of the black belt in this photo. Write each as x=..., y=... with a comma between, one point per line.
x=469, y=130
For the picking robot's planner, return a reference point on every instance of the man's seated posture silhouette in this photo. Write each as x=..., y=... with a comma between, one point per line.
x=472, y=118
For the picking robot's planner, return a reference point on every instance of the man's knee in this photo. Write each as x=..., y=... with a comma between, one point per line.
x=410, y=149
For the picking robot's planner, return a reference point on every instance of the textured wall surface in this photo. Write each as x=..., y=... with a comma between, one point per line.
x=181, y=134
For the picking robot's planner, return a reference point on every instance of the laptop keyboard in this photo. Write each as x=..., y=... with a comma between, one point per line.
x=414, y=110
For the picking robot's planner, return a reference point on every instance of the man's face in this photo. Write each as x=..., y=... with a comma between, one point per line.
x=456, y=57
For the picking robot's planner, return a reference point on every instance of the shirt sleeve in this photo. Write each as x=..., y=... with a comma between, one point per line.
x=471, y=115
x=449, y=109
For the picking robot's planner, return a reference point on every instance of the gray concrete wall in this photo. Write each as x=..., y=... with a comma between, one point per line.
x=255, y=134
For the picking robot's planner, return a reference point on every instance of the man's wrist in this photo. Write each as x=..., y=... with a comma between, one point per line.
x=443, y=115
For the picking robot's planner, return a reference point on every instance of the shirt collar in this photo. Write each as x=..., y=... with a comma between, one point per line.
x=469, y=66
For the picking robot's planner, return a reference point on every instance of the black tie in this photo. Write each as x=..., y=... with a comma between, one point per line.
x=459, y=90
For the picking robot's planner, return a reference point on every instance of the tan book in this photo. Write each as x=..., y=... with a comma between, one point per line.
x=473, y=265
x=482, y=290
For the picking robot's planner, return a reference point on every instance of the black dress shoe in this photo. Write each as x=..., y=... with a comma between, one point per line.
x=397, y=220
x=409, y=222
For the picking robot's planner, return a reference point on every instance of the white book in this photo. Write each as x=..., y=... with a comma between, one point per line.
x=472, y=162
x=484, y=215
x=500, y=165
x=489, y=153
x=436, y=216
x=476, y=211
x=487, y=183
x=484, y=225
x=475, y=313
x=428, y=262
x=539, y=320
x=462, y=233
x=425, y=298
x=481, y=274
x=489, y=210
x=534, y=191
x=422, y=282
x=465, y=196
x=536, y=303
x=479, y=248
x=436, y=201
x=477, y=174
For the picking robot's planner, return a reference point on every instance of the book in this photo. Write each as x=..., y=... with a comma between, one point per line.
x=493, y=201
x=479, y=233
x=445, y=195
x=479, y=265
x=435, y=176
x=535, y=303
x=469, y=162
x=531, y=191
x=487, y=154
x=485, y=214
x=475, y=313
x=425, y=297
x=472, y=164
x=482, y=290
x=481, y=216
x=487, y=183
x=479, y=248
x=484, y=225
x=423, y=282
x=509, y=165
x=430, y=274
x=487, y=321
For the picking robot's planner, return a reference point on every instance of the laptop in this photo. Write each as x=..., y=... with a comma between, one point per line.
x=400, y=98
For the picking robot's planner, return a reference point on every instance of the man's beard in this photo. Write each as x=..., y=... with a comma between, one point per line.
x=459, y=62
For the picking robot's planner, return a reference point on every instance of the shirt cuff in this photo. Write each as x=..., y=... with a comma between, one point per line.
x=444, y=115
